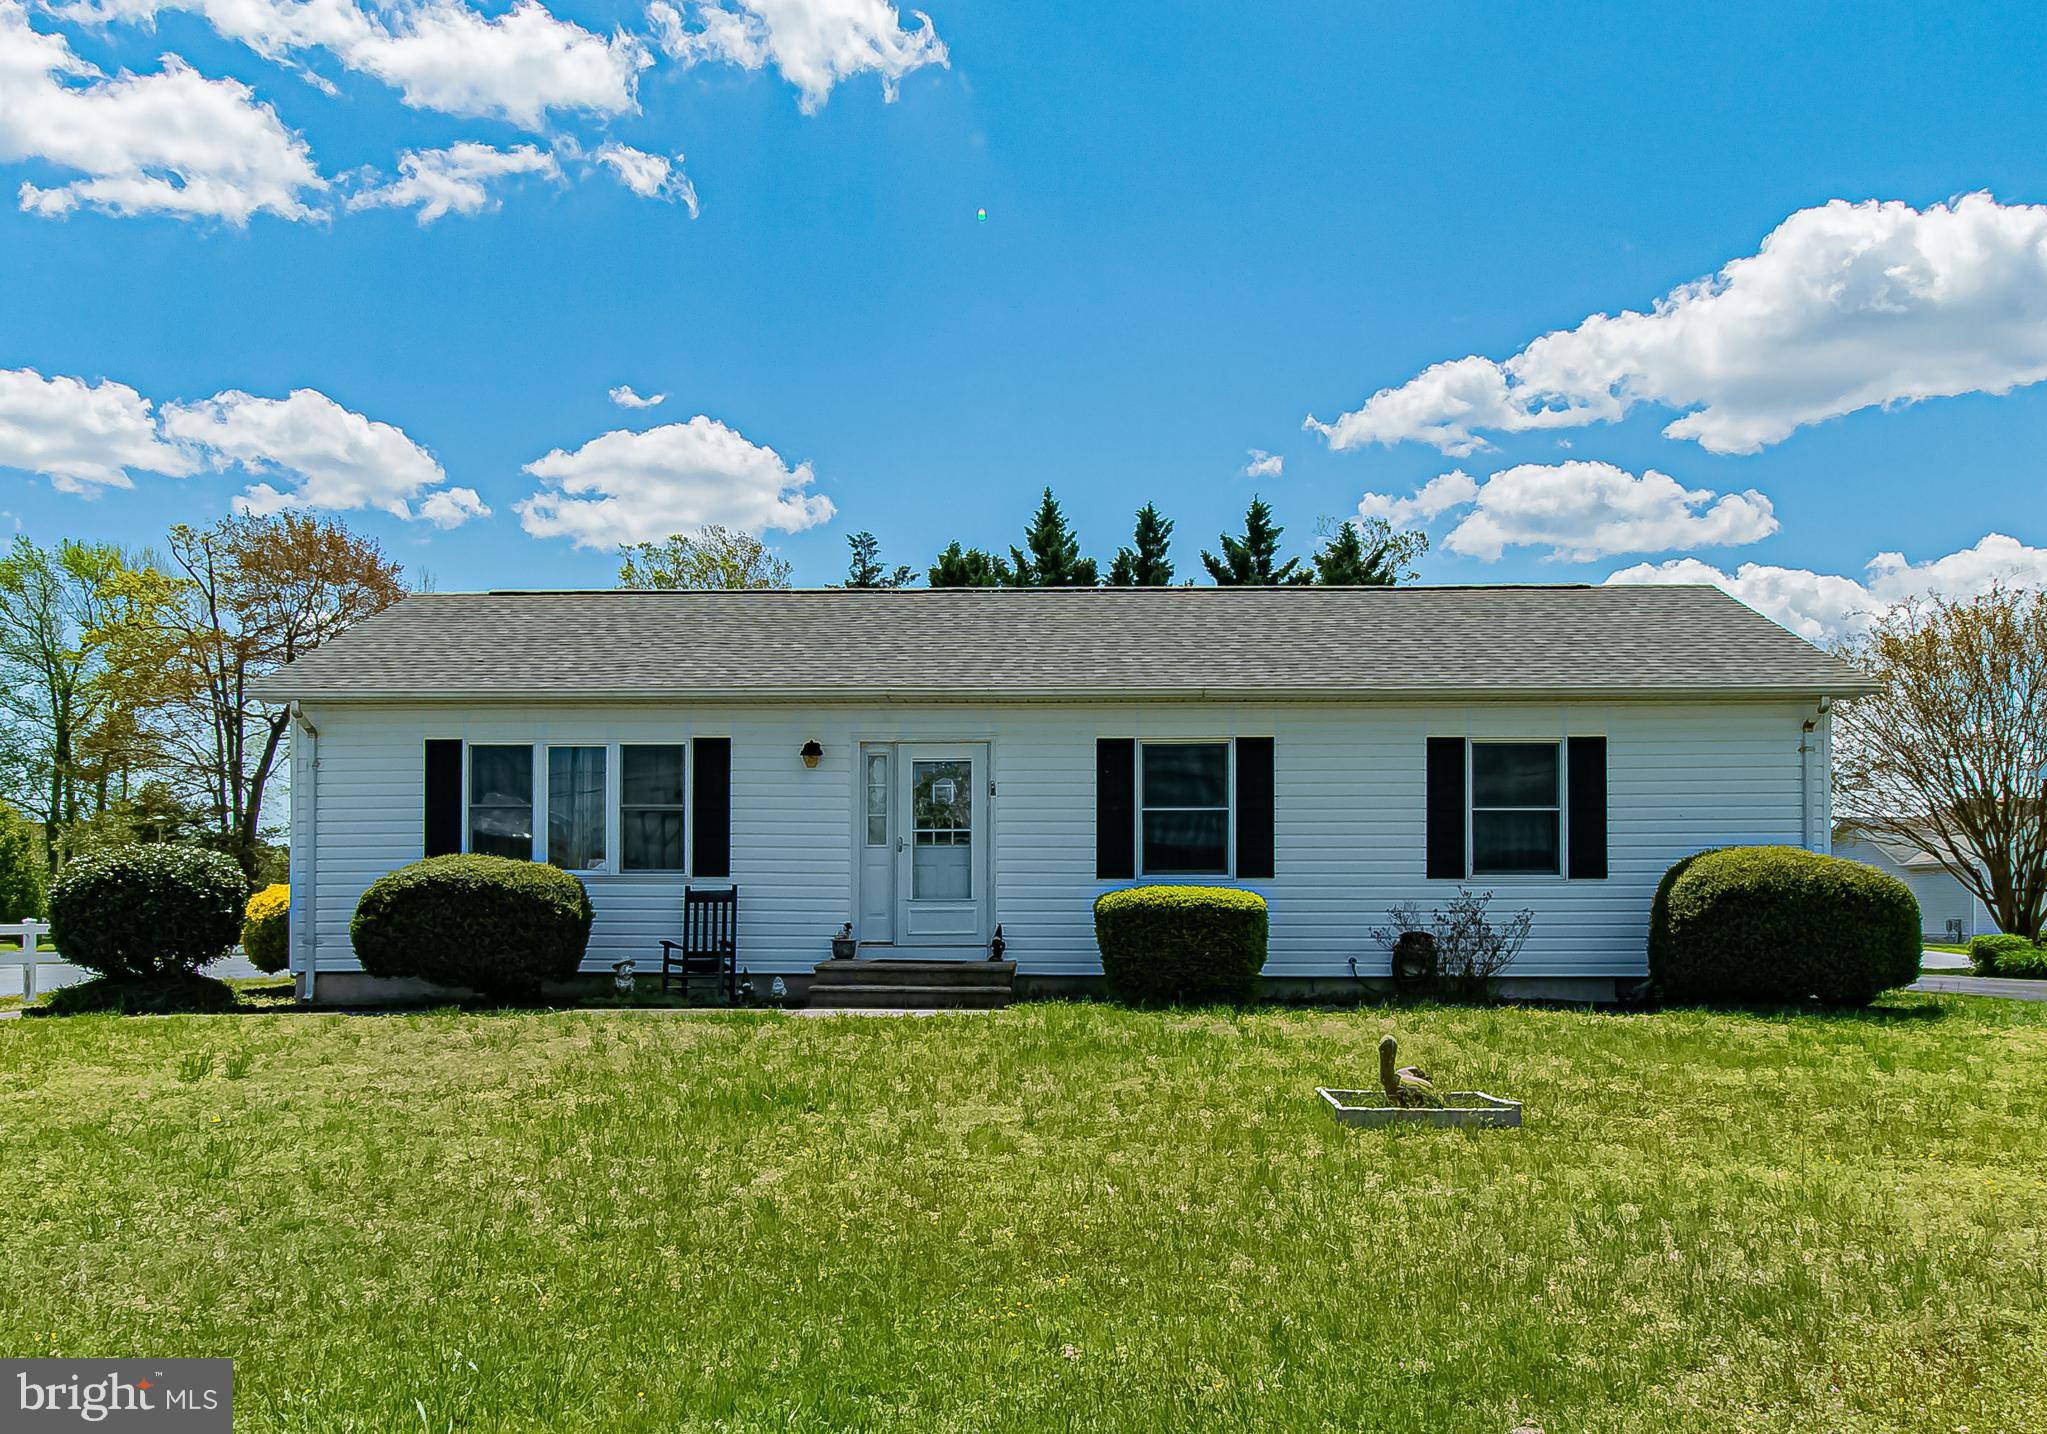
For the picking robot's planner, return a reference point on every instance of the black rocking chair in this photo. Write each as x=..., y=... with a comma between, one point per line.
x=709, y=944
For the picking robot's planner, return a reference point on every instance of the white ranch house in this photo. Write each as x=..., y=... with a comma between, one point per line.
x=932, y=765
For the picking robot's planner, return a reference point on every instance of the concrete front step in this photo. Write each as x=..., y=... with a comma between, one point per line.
x=913, y=984
x=910, y=998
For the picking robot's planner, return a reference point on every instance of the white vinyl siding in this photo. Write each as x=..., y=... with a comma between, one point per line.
x=1349, y=786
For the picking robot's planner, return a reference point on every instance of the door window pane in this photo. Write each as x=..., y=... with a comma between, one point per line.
x=575, y=807
x=501, y=801
x=942, y=830
x=877, y=799
x=1186, y=818
x=650, y=808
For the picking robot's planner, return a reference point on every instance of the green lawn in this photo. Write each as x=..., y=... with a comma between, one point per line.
x=1052, y=1217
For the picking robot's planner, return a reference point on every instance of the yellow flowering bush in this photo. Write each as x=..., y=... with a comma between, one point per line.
x=266, y=929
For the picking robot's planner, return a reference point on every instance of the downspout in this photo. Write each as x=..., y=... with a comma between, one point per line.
x=1809, y=745
x=305, y=924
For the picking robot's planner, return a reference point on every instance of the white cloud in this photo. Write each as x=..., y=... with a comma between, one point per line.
x=1579, y=510
x=1264, y=465
x=1844, y=307
x=813, y=43
x=439, y=54
x=1436, y=497
x=625, y=487
x=336, y=459
x=624, y=397
x=454, y=180
x=651, y=176
x=1823, y=606
x=81, y=436
x=172, y=142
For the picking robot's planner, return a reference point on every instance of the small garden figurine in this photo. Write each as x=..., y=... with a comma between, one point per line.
x=622, y=977
x=1407, y=1085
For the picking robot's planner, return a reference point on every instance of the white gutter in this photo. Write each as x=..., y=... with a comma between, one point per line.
x=305, y=926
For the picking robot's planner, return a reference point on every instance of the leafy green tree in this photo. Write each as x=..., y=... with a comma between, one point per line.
x=864, y=570
x=1367, y=553
x=1146, y=564
x=714, y=556
x=21, y=879
x=1051, y=556
x=959, y=567
x=1251, y=558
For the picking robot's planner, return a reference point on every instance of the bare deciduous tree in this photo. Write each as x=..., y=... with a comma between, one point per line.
x=1950, y=754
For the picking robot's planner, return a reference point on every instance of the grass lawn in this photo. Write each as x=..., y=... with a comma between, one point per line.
x=1051, y=1217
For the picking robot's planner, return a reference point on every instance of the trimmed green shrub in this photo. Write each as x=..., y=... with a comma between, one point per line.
x=133, y=911
x=266, y=933
x=1780, y=924
x=496, y=926
x=21, y=876
x=169, y=993
x=1181, y=945
x=2006, y=956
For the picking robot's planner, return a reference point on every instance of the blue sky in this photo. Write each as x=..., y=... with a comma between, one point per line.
x=1204, y=224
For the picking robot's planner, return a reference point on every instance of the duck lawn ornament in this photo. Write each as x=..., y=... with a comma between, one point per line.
x=1406, y=1096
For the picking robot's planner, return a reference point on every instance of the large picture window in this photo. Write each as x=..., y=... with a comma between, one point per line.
x=650, y=808
x=1516, y=808
x=501, y=801
x=575, y=808
x=1184, y=808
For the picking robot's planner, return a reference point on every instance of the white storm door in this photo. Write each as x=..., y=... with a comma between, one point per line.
x=942, y=848
x=878, y=831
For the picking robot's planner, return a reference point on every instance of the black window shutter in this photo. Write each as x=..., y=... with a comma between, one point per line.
x=1446, y=809
x=1254, y=806
x=443, y=796
x=710, y=806
x=1115, y=808
x=1586, y=761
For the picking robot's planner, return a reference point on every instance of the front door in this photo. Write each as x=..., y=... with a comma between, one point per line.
x=941, y=877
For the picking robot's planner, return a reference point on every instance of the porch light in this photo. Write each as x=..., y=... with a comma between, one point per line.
x=811, y=752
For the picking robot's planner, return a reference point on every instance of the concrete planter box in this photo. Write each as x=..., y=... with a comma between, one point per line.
x=1465, y=1107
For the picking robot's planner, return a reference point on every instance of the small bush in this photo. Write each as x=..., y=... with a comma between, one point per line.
x=497, y=926
x=135, y=911
x=2006, y=956
x=266, y=929
x=1780, y=924
x=1181, y=945
x=169, y=993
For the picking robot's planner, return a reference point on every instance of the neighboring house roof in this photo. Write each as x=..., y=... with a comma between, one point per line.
x=1910, y=856
x=1074, y=644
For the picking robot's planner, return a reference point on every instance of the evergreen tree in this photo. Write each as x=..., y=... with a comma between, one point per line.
x=21, y=878
x=1345, y=561
x=864, y=570
x=959, y=567
x=1053, y=558
x=1250, y=560
x=1146, y=565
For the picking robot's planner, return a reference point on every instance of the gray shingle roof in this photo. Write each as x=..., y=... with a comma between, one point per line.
x=1227, y=643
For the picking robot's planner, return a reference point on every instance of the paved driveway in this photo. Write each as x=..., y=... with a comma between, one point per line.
x=1983, y=986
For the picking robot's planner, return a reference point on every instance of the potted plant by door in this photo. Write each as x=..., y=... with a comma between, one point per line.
x=843, y=945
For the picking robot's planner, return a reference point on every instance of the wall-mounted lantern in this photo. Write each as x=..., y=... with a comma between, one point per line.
x=811, y=752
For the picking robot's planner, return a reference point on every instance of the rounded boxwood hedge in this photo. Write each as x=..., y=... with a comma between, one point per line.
x=266, y=929
x=497, y=926
x=1780, y=924
x=1181, y=945
x=135, y=911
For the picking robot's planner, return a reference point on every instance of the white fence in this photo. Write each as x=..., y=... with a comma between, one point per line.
x=30, y=933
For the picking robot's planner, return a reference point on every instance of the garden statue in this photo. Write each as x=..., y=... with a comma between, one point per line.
x=1407, y=1085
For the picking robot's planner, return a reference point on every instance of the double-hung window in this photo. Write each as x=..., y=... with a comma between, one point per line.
x=650, y=807
x=501, y=800
x=1184, y=808
x=1516, y=808
x=576, y=816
